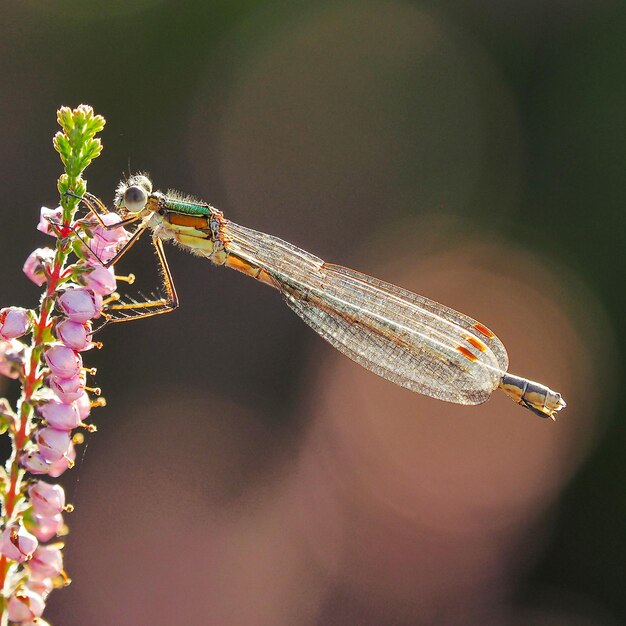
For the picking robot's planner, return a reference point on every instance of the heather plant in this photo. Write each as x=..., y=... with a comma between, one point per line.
x=42, y=349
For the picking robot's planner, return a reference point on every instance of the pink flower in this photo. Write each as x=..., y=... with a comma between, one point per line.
x=113, y=236
x=68, y=389
x=12, y=358
x=45, y=215
x=47, y=561
x=14, y=322
x=35, y=263
x=63, y=361
x=100, y=252
x=42, y=586
x=74, y=335
x=16, y=543
x=25, y=605
x=64, y=463
x=47, y=499
x=105, y=243
x=47, y=526
x=53, y=444
x=84, y=406
x=34, y=462
x=80, y=304
x=60, y=415
x=100, y=279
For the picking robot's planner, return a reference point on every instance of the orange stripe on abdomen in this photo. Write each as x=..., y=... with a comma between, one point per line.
x=236, y=263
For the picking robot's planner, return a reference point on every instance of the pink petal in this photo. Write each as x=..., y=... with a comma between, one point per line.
x=14, y=322
x=100, y=252
x=34, y=264
x=63, y=362
x=84, y=406
x=60, y=415
x=25, y=605
x=11, y=357
x=53, y=444
x=44, y=226
x=34, y=462
x=114, y=235
x=58, y=467
x=47, y=526
x=80, y=304
x=47, y=499
x=47, y=561
x=42, y=586
x=17, y=544
x=75, y=335
x=100, y=279
x=68, y=389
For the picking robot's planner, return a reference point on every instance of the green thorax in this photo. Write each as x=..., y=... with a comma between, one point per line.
x=188, y=207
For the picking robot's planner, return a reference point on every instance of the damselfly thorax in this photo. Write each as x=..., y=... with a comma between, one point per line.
x=195, y=226
x=404, y=337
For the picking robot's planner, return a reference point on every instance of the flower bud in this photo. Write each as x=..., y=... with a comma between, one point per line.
x=12, y=355
x=42, y=586
x=47, y=526
x=80, y=304
x=100, y=279
x=111, y=236
x=68, y=389
x=63, y=361
x=24, y=606
x=47, y=499
x=16, y=543
x=14, y=322
x=60, y=415
x=64, y=463
x=35, y=263
x=53, y=444
x=105, y=243
x=47, y=561
x=74, y=335
x=84, y=406
x=45, y=215
x=34, y=462
x=101, y=252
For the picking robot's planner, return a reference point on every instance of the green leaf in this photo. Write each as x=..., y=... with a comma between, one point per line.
x=65, y=118
x=7, y=416
x=77, y=146
x=62, y=145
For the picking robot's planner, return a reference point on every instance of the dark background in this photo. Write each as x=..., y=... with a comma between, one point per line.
x=243, y=472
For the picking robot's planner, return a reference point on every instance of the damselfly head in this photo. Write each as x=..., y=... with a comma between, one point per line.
x=131, y=196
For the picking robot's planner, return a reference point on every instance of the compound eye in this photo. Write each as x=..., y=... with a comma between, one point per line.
x=135, y=198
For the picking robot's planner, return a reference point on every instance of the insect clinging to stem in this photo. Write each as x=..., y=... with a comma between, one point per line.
x=404, y=337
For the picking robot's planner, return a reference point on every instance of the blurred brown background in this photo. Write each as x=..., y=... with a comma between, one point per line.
x=246, y=474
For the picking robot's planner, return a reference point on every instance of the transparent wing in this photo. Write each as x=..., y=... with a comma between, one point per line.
x=408, y=339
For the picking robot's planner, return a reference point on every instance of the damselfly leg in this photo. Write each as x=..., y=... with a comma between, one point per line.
x=127, y=311
x=135, y=309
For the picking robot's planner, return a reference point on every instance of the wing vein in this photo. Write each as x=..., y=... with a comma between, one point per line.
x=406, y=338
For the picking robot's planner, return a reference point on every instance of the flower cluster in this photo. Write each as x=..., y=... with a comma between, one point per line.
x=55, y=400
x=64, y=401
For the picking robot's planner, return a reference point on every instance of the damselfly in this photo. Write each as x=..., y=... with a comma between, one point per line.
x=404, y=337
